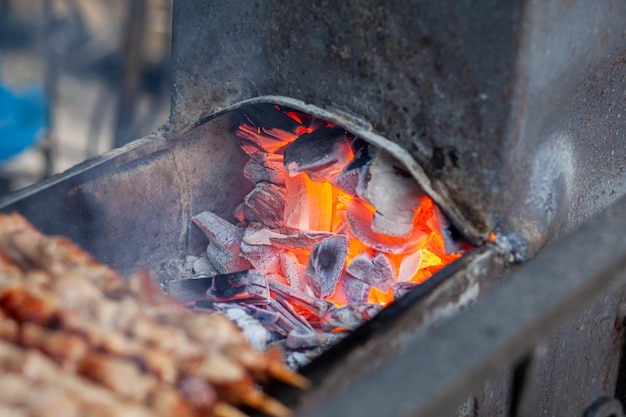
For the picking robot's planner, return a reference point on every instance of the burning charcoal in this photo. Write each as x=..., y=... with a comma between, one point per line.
x=202, y=267
x=348, y=178
x=409, y=266
x=259, y=234
x=302, y=240
x=265, y=204
x=186, y=290
x=321, y=154
x=352, y=290
x=262, y=257
x=394, y=194
x=452, y=240
x=314, y=305
x=308, y=204
x=266, y=127
x=246, y=286
x=374, y=270
x=349, y=317
x=359, y=218
x=265, y=167
x=252, y=329
x=326, y=265
x=224, y=241
x=267, y=115
x=302, y=334
x=294, y=272
x=402, y=288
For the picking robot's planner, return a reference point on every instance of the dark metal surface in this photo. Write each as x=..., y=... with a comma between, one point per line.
x=132, y=207
x=513, y=109
x=436, y=371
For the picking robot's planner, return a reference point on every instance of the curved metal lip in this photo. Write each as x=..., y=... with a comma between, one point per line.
x=360, y=127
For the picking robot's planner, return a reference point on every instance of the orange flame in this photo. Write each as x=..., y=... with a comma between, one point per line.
x=320, y=206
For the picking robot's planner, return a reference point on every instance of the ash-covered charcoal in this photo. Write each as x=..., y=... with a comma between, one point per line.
x=409, y=266
x=394, y=194
x=224, y=240
x=191, y=289
x=293, y=271
x=349, y=317
x=265, y=167
x=265, y=204
x=202, y=267
x=316, y=306
x=321, y=154
x=352, y=290
x=248, y=286
x=301, y=240
x=359, y=219
x=262, y=257
x=302, y=334
x=375, y=270
x=326, y=265
x=300, y=338
x=348, y=179
x=402, y=288
x=256, y=334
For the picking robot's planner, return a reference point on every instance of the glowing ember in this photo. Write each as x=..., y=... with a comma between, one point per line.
x=333, y=230
x=315, y=156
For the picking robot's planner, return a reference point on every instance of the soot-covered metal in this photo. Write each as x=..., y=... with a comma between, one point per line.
x=513, y=110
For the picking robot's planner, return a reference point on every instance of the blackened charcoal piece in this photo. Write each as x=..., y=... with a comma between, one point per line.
x=266, y=115
x=316, y=306
x=359, y=218
x=394, y=194
x=348, y=179
x=260, y=139
x=265, y=167
x=262, y=257
x=265, y=204
x=322, y=154
x=224, y=241
x=326, y=263
x=186, y=290
x=349, y=317
x=376, y=270
x=245, y=286
x=402, y=288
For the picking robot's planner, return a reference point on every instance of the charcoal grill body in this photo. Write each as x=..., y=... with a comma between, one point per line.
x=509, y=115
x=512, y=109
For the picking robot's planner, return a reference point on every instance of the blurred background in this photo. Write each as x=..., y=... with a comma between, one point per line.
x=77, y=78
